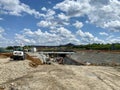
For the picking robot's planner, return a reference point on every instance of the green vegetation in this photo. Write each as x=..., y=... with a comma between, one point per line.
x=70, y=47
x=4, y=50
x=95, y=46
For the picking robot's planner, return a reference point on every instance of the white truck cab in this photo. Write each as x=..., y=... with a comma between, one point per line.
x=18, y=53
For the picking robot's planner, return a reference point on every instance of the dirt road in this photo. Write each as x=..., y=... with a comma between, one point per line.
x=18, y=75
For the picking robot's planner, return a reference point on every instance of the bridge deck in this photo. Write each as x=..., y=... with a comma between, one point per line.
x=56, y=52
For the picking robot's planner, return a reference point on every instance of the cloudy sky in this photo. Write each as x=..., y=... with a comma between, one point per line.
x=56, y=22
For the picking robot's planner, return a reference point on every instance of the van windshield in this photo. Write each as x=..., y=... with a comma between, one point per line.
x=18, y=49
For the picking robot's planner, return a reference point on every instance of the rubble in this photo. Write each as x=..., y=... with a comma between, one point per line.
x=35, y=61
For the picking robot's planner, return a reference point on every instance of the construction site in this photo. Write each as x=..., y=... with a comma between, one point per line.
x=59, y=44
x=81, y=70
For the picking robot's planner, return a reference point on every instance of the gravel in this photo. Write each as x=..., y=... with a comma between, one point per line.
x=18, y=75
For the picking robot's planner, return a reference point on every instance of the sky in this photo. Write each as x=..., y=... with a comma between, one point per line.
x=59, y=22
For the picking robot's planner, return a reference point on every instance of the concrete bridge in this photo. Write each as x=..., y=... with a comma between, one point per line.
x=62, y=57
x=55, y=54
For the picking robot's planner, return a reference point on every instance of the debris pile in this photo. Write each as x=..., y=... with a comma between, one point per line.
x=34, y=61
x=5, y=55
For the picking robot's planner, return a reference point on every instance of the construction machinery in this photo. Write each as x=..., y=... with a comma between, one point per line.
x=18, y=53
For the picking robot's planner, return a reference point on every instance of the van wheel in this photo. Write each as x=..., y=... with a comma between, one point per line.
x=14, y=58
x=23, y=58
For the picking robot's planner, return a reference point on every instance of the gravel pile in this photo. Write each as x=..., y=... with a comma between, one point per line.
x=10, y=70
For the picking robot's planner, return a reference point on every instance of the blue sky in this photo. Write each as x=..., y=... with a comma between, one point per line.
x=55, y=22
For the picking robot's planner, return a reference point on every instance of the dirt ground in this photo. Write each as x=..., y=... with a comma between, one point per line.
x=18, y=75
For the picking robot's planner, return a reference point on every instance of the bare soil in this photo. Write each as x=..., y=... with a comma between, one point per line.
x=18, y=75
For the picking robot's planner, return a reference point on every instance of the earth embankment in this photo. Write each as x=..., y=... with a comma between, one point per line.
x=97, y=57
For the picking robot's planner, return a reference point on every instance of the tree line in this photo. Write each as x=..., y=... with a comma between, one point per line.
x=94, y=46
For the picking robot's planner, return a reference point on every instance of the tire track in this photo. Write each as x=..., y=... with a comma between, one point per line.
x=105, y=78
x=16, y=79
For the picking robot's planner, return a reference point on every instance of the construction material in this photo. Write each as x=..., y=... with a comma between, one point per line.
x=35, y=61
x=5, y=55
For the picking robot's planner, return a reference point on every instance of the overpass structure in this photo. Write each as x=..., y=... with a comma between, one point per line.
x=59, y=57
x=56, y=52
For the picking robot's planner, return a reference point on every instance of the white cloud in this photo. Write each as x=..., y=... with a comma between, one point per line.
x=113, y=25
x=87, y=37
x=85, y=34
x=49, y=14
x=3, y=40
x=15, y=7
x=2, y=31
x=106, y=14
x=43, y=9
x=27, y=31
x=102, y=13
x=52, y=23
x=74, y=8
x=22, y=38
x=62, y=16
x=115, y=40
x=60, y=36
x=1, y=19
x=46, y=24
x=112, y=39
x=63, y=32
x=52, y=20
x=48, y=19
x=78, y=24
x=66, y=36
x=43, y=24
x=103, y=33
